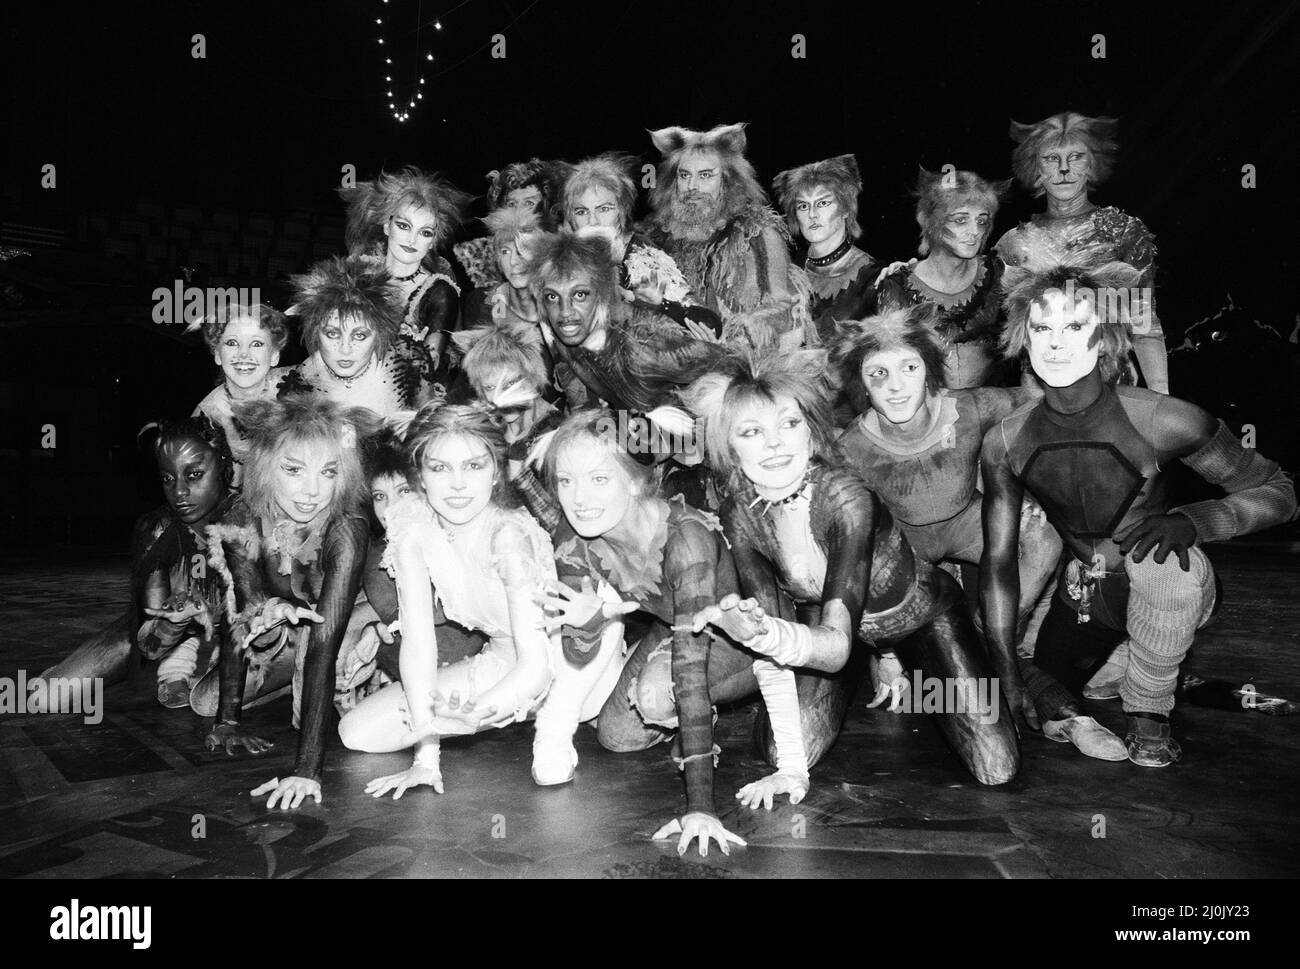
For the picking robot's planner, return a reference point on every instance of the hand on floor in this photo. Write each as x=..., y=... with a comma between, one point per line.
x=699, y=825
x=290, y=792
x=763, y=791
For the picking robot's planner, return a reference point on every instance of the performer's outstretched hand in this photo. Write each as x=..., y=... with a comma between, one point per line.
x=413, y=776
x=232, y=736
x=701, y=826
x=290, y=792
x=741, y=619
x=763, y=791
x=1164, y=533
x=565, y=607
x=889, y=678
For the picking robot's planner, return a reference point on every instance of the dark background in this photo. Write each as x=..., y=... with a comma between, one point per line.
x=290, y=92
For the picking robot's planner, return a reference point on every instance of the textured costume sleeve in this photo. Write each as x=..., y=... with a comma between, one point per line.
x=154, y=550
x=851, y=510
x=755, y=572
x=343, y=560
x=1137, y=247
x=413, y=374
x=537, y=498
x=579, y=643
x=661, y=355
x=439, y=309
x=234, y=552
x=690, y=566
x=1260, y=493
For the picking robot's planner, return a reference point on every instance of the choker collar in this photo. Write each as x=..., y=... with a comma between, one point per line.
x=821, y=262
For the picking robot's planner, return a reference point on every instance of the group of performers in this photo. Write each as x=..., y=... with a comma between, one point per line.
x=639, y=470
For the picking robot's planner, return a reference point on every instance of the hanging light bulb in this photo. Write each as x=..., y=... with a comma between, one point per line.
x=428, y=57
x=437, y=25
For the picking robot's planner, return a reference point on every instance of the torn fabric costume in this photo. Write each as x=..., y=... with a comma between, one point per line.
x=318, y=565
x=968, y=322
x=834, y=540
x=686, y=568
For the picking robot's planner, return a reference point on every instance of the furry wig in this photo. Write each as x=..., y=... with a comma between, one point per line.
x=610, y=171
x=746, y=377
x=598, y=426
x=564, y=255
x=545, y=176
x=435, y=421
x=371, y=204
x=1083, y=276
x=903, y=329
x=267, y=317
x=352, y=288
x=740, y=188
x=507, y=225
x=272, y=427
x=504, y=344
x=1098, y=134
x=839, y=175
x=200, y=428
x=938, y=193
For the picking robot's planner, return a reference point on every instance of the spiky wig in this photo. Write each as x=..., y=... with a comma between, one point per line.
x=939, y=193
x=610, y=171
x=354, y=288
x=267, y=317
x=746, y=377
x=302, y=421
x=383, y=454
x=503, y=344
x=740, y=188
x=839, y=174
x=545, y=176
x=909, y=329
x=507, y=225
x=1097, y=134
x=371, y=204
x=1083, y=276
x=559, y=256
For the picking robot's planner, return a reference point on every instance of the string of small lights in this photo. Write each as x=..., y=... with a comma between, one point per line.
x=400, y=103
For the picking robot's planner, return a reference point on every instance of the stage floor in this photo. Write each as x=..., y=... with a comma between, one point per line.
x=130, y=796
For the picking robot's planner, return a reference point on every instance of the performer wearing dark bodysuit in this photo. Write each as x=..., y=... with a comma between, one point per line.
x=668, y=561
x=351, y=329
x=1064, y=158
x=291, y=553
x=403, y=220
x=1092, y=453
x=918, y=444
x=820, y=202
x=174, y=605
x=824, y=564
x=955, y=211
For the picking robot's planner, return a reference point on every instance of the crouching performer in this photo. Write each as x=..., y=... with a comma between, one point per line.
x=823, y=566
x=290, y=555
x=918, y=445
x=461, y=550
x=1092, y=453
x=175, y=601
x=623, y=548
